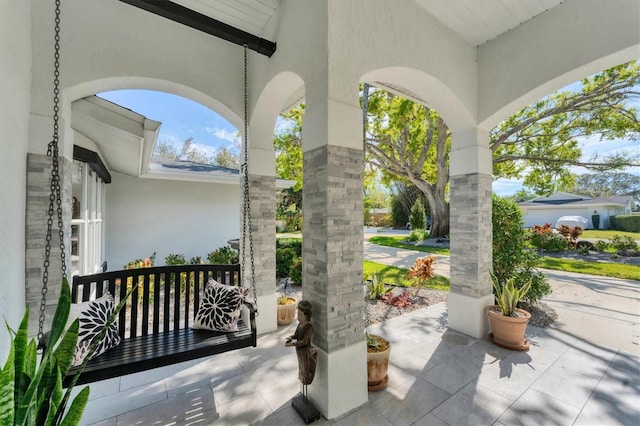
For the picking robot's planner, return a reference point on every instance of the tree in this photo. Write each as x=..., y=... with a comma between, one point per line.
x=411, y=142
x=223, y=156
x=607, y=184
x=287, y=144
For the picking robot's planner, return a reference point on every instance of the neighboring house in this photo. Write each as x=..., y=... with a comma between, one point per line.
x=129, y=203
x=541, y=210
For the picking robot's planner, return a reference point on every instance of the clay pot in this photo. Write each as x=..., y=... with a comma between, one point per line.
x=508, y=332
x=287, y=311
x=377, y=365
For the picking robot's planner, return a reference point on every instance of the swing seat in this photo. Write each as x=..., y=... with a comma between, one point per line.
x=154, y=325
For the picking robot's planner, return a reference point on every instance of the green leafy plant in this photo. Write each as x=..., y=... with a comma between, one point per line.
x=512, y=260
x=623, y=242
x=601, y=246
x=284, y=259
x=175, y=259
x=376, y=288
x=225, y=255
x=147, y=262
x=418, y=218
x=509, y=293
x=32, y=393
x=295, y=273
x=197, y=260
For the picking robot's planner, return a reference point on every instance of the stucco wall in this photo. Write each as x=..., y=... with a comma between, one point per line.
x=15, y=82
x=147, y=215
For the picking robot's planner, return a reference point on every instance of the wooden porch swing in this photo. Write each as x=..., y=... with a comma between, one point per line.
x=154, y=325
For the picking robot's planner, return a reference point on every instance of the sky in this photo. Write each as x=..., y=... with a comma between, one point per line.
x=182, y=118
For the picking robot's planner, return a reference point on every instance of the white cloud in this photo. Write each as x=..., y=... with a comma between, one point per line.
x=224, y=134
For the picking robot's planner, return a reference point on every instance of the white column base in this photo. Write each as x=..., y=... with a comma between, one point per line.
x=267, y=320
x=340, y=385
x=467, y=314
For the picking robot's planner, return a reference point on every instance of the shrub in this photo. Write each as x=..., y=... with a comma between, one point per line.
x=417, y=235
x=225, y=255
x=141, y=263
x=421, y=271
x=629, y=223
x=602, y=246
x=584, y=246
x=293, y=243
x=399, y=301
x=570, y=234
x=284, y=260
x=622, y=243
x=175, y=259
x=542, y=237
x=510, y=255
x=418, y=218
x=295, y=273
x=195, y=260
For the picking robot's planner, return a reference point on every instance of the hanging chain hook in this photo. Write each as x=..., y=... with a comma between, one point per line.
x=55, y=198
x=244, y=168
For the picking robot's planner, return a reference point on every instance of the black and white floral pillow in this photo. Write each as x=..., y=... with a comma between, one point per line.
x=220, y=307
x=93, y=316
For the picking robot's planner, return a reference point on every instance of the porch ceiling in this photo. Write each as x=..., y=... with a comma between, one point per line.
x=474, y=21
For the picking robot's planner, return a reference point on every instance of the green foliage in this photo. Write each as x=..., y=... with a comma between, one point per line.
x=295, y=273
x=289, y=209
x=622, y=243
x=417, y=235
x=32, y=393
x=512, y=261
x=571, y=234
x=225, y=255
x=601, y=246
x=629, y=223
x=175, y=259
x=197, y=260
x=418, y=218
x=287, y=145
x=376, y=288
x=292, y=243
x=141, y=263
x=508, y=293
x=542, y=237
x=284, y=260
x=400, y=277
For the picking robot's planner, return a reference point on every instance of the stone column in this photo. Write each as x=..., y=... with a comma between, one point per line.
x=37, y=206
x=262, y=193
x=471, y=238
x=333, y=252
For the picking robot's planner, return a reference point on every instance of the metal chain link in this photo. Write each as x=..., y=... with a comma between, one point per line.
x=55, y=197
x=246, y=211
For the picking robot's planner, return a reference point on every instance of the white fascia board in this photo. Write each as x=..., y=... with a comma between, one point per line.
x=151, y=131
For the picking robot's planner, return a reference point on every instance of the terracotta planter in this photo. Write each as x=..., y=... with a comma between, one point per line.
x=508, y=332
x=377, y=366
x=287, y=311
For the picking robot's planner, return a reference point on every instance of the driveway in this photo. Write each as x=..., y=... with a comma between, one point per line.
x=601, y=310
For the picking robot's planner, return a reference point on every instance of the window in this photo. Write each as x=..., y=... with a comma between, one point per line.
x=87, y=220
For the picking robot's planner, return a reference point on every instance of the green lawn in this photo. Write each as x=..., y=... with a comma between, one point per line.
x=396, y=242
x=614, y=270
x=602, y=234
x=400, y=276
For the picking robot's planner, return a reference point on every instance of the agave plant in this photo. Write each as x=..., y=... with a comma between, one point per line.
x=509, y=293
x=32, y=393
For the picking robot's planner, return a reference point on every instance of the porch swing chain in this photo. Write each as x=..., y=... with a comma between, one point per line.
x=54, y=195
x=246, y=213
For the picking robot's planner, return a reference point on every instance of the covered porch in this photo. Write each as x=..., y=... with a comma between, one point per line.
x=475, y=72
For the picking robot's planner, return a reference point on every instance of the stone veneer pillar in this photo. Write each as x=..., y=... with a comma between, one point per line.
x=37, y=206
x=470, y=232
x=262, y=193
x=332, y=275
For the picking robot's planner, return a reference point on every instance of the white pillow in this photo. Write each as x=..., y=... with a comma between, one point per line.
x=220, y=307
x=93, y=316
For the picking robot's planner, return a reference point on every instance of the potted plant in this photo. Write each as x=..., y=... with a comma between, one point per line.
x=378, y=350
x=508, y=322
x=286, y=309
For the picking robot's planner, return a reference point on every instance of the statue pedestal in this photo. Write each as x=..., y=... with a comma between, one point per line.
x=305, y=409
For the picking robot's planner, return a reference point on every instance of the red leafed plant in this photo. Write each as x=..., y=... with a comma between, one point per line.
x=421, y=271
x=399, y=301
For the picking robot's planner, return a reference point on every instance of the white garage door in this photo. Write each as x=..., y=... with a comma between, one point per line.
x=540, y=217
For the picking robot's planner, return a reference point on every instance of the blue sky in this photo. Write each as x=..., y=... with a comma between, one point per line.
x=182, y=118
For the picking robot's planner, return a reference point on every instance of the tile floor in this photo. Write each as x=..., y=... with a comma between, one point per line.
x=437, y=377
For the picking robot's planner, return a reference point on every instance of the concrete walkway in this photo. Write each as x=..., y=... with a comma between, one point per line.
x=571, y=375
